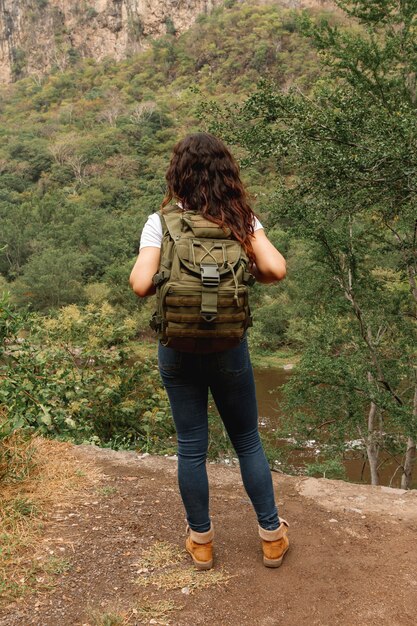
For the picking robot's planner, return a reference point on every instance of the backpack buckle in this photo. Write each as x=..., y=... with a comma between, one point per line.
x=210, y=275
x=155, y=322
x=159, y=277
x=249, y=279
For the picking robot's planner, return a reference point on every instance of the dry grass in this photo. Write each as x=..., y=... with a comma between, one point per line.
x=41, y=474
x=160, y=554
x=108, y=618
x=16, y=456
x=156, y=610
x=185, y=577
x=163, y=565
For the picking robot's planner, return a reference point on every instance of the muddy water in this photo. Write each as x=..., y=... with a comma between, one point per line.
x=268, y=383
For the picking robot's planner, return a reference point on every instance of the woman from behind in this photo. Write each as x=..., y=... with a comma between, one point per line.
x=204, y=177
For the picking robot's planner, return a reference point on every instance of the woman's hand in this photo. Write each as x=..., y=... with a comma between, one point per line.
x=270, y=265
x=146, y=266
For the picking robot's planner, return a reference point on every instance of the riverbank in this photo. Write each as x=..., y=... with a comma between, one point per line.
x=125, y=562
x=272, y=371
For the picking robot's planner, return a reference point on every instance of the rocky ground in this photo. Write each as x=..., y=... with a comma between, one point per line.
x=351, y=562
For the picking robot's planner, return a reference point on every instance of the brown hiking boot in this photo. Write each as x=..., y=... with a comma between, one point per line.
x=275, y=544
x=200, y=546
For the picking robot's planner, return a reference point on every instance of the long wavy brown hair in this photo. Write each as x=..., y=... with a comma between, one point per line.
x=204, y=177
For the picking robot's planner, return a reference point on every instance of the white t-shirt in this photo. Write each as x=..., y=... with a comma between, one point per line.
x=152, y=231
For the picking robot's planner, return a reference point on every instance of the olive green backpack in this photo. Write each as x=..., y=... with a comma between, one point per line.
x=201, y=285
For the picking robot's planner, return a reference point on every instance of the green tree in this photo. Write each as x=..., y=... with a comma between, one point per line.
x=347, y=163
x=51, y=279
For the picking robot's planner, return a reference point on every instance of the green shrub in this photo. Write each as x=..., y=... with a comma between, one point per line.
x=330, y=468
x=73, y=377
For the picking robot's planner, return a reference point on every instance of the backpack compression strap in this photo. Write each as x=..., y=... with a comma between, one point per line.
x=165, y=263
x=210, y=279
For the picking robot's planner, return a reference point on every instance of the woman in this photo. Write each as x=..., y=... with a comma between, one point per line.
x=203, y=176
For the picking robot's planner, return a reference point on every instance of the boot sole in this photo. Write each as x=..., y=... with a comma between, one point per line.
x=275, y=562
x=200, y=564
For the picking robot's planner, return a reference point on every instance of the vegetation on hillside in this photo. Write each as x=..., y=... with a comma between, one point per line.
x=327, y=147
x=82, y=164
x=84, y=151
x=345, y=158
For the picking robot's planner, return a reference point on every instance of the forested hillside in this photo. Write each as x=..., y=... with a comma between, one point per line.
x=83, y=159
x=84, y=151
x=320, y=108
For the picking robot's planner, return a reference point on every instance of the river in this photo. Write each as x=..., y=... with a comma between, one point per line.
x=268, y=383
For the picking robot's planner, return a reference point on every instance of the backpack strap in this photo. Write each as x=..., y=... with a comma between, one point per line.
x=172, y=223
x=165, y=263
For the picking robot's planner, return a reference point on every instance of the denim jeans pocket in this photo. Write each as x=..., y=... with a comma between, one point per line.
x=169, y=360
x=234, y=361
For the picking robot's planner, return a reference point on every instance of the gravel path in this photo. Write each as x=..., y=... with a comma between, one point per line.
x=352, y=557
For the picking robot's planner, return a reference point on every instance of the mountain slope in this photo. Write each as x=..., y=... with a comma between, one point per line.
x=38, y=35
x=84, y=150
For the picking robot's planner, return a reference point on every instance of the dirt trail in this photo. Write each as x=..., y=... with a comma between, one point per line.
x=352, y=557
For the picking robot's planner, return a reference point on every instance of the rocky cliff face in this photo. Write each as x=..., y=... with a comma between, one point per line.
x=36, y=35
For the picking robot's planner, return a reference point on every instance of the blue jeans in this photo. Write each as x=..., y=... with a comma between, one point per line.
x=187, y=378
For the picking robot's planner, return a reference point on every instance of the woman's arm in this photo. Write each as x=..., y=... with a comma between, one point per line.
x=270, y=265
x=146, y=266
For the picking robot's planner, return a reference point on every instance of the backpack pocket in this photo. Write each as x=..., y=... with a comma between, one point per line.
x=183, y=318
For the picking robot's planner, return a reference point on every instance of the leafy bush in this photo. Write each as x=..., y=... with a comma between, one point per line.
x=270, y=325
x=330, y=468
x=71, y=376
x=51, y=278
